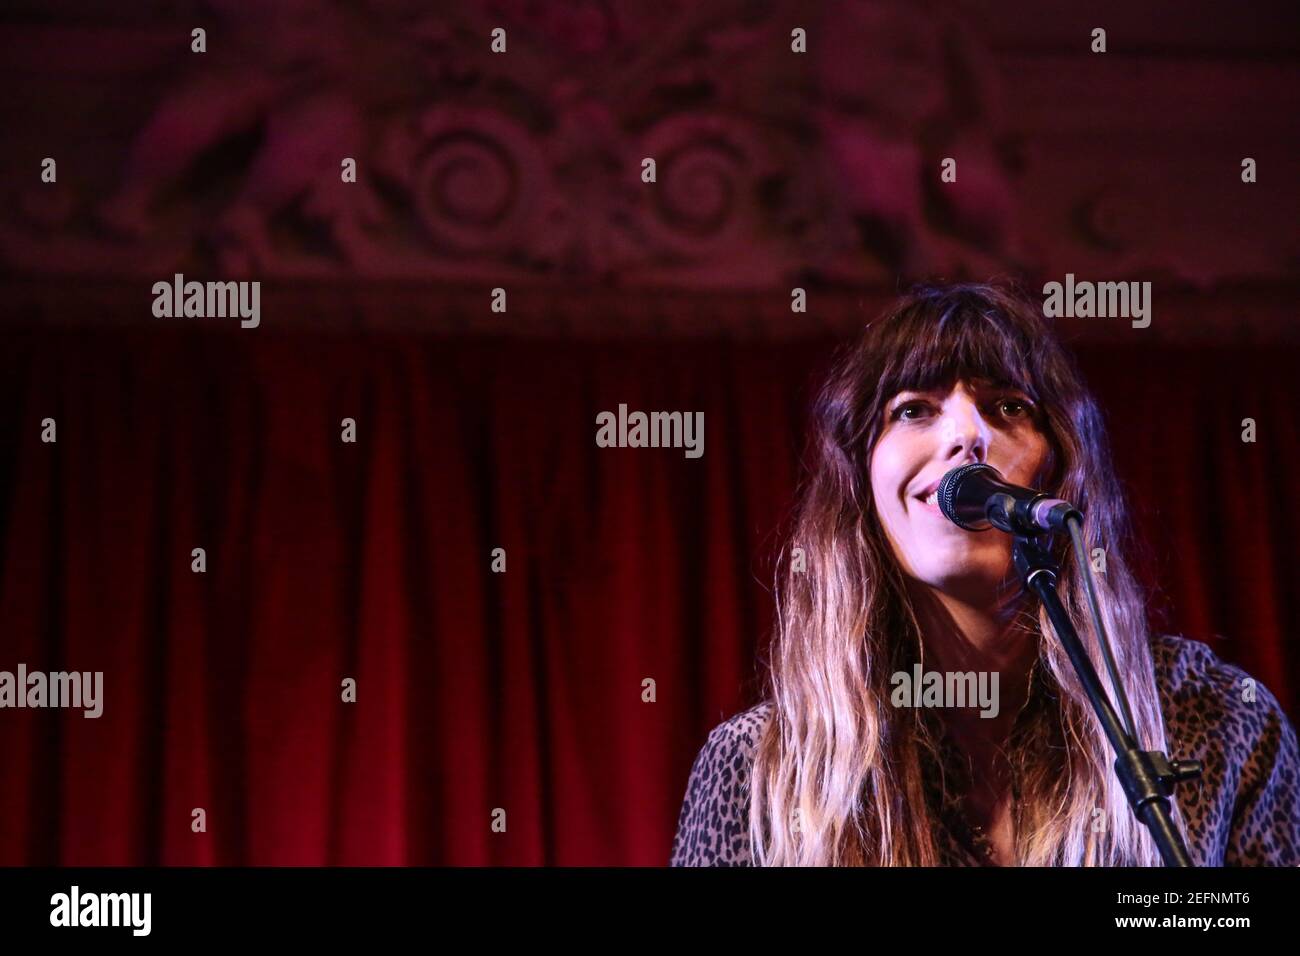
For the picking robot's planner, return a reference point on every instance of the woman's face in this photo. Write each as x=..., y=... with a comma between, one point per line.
x=925, y=435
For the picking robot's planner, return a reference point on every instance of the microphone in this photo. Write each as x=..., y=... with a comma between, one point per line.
x=974, y=493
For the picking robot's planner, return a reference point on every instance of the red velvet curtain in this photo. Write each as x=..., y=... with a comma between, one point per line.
x=476, y=690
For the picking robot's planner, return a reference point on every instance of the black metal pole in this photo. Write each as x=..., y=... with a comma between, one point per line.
x=1148, y=776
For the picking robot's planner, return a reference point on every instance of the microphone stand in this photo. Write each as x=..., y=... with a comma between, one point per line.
x=1148, y=777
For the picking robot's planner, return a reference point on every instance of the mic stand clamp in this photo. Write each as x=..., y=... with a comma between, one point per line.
x=1148, y=776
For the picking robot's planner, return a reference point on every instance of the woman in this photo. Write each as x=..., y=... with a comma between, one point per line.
x=838, y=768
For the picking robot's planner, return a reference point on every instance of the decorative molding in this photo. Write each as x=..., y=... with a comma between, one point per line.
x=525, y=165
x=774, y=168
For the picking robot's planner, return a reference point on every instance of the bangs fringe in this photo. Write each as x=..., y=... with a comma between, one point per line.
x=957, y=333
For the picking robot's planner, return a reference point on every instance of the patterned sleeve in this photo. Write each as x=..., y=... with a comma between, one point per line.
x=1265, y=828
x=712, y=828
x=1248, y=803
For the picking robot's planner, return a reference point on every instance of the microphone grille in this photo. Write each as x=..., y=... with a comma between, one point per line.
x=948, y=486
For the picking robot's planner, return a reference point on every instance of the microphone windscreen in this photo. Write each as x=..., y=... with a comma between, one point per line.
x=965, y=511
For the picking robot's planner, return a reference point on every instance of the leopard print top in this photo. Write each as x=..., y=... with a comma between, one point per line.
x=1244, y=810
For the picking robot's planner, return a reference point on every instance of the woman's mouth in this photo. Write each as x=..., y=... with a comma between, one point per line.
x=929, y=498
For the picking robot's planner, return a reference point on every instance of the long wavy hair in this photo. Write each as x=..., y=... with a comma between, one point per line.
x=839, y=775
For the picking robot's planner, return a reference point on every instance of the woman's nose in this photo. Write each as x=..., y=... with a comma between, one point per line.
x=965, y=432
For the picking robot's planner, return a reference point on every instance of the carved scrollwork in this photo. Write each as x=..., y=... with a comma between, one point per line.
x=473, y=163
x=709, y=170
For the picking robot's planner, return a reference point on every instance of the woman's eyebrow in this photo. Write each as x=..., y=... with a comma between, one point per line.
x=977, y=384
x=908, y=394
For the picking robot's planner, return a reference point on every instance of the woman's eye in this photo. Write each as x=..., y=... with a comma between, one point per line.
x=909, y=411
x=1009, y=408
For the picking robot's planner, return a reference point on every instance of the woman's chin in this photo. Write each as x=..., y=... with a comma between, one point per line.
x=977, y=584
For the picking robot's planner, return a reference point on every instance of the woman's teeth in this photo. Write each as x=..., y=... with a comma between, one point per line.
x=932, y=498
